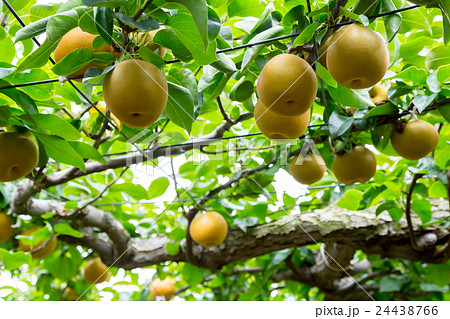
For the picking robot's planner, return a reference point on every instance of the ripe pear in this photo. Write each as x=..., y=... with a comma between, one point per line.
x=96, y=271
x=378, y=93
x=280, y=128
x=19, y=156
x=136, y=92
x=417, y=140
x=307, y=169
x=70, y=294
x=43, y=252
x=357, y=57
x=162, y=288
x=6, y=230
x=287, y=85
x=78, y=39
x=209, y=229
x=146, y=38
x=357, y=166
x=102, y=108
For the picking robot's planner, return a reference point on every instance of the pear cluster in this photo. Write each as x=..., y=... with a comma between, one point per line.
x=286, y=88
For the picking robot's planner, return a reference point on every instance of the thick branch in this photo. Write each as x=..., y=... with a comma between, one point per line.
x=136, y=158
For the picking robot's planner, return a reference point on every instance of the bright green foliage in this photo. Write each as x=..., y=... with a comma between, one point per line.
x=419, y=75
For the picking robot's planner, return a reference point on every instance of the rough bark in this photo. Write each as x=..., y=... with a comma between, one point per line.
x=341, y=231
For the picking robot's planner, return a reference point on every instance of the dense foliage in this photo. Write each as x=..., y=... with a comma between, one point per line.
x=212, y=87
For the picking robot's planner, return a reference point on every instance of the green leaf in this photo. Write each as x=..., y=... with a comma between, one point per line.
x=142, y=25
x=365, y=7
x=224, y=64
x=12, y=261
x=252, y=52
x=65, y=229
x=351, y=199
x=443, y=5
x=50, y=123
x=62, y=268
x=6, y=69
x=412, y=74
x=443, y=73
x=325, y=75
x=349, y=97
x=21, y=98
x=445, y=111
x=306, y=35
x=60, y=150
x=438, y=56
x=437, y=190
x=245, y=8
x=278, y=257
x=79, y=58
x=137, y=192
x=152, y=57
x=5, y=114
x=339, y=124
x=38, y=27
x=39, y=57
x=8, y=50
x=87, y=151
x=422, y=101
x=182, y=24
x=199, y=12
x=381, y=135
x=390, y=284
x=385, y=109
x=192, y=274
x=357, y=17
x=158, y=187
x=180, y=106
x=41, y=92
x=433, y=83
x=392, y=22
x=105, y=3
x=422, y=208
x=104, y=23
x=173, y=248
x=169, y=39
x=242, y=90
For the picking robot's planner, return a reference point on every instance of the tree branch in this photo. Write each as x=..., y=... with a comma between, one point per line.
x=222, y=110
x=136, y=158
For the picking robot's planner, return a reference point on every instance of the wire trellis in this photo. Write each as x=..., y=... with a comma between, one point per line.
x=244, y=46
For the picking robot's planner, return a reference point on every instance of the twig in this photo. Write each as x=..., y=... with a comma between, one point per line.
x=142, y=10
x=224, y=114
x=101, y=193
x=174, y=178
x=202, y=149
x=412, y=235
x=65, y=110
x=37, y=249
x=102, y=131
x=190, y=256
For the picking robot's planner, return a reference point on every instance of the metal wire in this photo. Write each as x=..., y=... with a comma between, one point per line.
x=244, y=46
x=293, y=35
